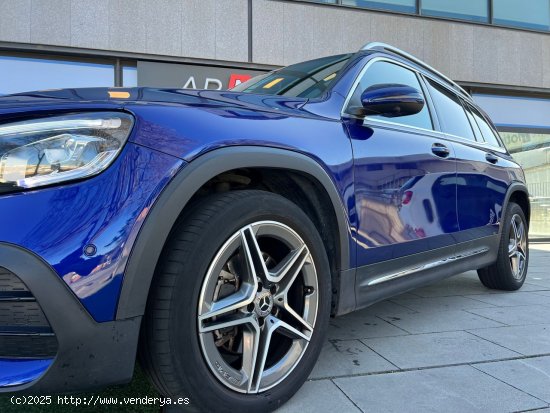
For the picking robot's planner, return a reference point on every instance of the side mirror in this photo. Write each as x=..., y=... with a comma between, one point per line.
x=391, y=100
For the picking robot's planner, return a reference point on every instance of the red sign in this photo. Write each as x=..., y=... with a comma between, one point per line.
x=236, y=79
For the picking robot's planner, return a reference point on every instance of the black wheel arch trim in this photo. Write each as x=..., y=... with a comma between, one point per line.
x=515, y=187
x=173, y=199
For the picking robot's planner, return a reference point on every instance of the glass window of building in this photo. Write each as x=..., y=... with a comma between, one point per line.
x=22, y=74
x=532, y=151
x=524, y=127
x=532, y=14
x=129, y=76
x=384, y=72
x=405, y=6
x=450, y=112
x=474, y=10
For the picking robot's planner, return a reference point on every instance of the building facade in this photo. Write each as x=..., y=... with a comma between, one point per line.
x=499, y=50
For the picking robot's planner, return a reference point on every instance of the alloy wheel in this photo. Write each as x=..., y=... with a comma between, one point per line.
x=517, y=247
x=258, y=306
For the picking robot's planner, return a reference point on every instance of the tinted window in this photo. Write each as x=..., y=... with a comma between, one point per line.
x=489, y=135
x=473, y=123
x=533, y=14
x=307, y=79
x=450, y=112
x=476, y=10
x=385, y=72
x=407, y=6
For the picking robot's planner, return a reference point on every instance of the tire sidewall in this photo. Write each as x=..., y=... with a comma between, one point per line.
x=185, y=348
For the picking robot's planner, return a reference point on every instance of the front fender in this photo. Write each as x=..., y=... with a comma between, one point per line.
x=160, y=220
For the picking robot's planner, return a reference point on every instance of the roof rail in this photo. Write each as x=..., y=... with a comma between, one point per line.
x=395, y=50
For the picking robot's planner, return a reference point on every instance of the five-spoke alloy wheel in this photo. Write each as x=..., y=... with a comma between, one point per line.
x=257, y=306
x=517, y=247
x=240, y=304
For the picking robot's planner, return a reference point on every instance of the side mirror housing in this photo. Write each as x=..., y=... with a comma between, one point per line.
x=391, y=100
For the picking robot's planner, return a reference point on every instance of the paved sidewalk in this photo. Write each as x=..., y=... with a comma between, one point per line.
x=453, y=346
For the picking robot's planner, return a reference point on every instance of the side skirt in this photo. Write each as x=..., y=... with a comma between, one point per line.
x=377, y=282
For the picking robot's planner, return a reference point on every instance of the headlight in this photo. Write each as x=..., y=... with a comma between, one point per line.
x=56, y=149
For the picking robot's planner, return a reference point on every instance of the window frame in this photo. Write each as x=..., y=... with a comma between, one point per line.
x=486, y=119
x=423, y=89
x=460, y=101
x=424, y=77
x=482, y=145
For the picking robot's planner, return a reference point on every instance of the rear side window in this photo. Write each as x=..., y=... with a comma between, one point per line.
x=473, y=122
x=451, y=114
x=489, y=134
x=381, y=72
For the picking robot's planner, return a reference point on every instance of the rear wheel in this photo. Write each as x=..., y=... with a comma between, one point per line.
x=240, y=303
x=510, y=269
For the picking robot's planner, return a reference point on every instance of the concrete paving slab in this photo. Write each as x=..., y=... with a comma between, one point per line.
x=361, y=325
x=440, y=321
x=319, y=396
x=437, y=349
x=529, y=375
x=451, y=389
x=516, y=316
x=527, y=340
x=348, y=357
x=463, y=284
x=514, y=298
x=383, y=308
x=441, y=303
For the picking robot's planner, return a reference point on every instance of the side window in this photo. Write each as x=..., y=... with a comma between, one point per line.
x=385, y=72
x=487, y=131
x=451, y=114
x=473, y=122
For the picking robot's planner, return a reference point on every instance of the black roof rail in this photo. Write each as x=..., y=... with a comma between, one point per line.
x=388, y=48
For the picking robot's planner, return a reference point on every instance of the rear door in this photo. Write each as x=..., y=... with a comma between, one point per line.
x=482, y=165
x=483, y=179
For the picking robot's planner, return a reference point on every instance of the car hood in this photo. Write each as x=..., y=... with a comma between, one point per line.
x=120, y=97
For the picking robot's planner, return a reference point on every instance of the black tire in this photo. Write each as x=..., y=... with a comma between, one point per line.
x=500, y=276
x=170, y=349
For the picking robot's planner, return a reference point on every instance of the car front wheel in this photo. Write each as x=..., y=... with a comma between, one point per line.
x=239, y=306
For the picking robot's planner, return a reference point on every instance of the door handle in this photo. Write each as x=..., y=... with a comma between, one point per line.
x=438, y=149
x=491, y=158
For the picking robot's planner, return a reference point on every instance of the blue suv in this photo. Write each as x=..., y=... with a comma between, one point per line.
x=213, y=233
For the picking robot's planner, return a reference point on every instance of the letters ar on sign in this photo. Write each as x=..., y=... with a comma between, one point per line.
x=185, y=76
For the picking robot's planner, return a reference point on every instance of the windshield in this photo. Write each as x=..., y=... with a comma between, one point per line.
x=307, y=79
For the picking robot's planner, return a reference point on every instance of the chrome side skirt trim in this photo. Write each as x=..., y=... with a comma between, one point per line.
x=427, y=266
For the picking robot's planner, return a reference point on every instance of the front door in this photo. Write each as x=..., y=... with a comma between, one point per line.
x=405, y=178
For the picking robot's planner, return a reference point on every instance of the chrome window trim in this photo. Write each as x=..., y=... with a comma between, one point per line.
x=400, y=126
x=479, y=145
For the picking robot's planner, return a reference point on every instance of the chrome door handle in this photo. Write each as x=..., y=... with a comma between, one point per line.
x=438, y=149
